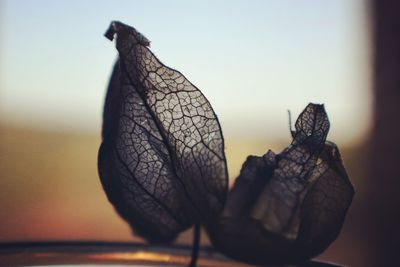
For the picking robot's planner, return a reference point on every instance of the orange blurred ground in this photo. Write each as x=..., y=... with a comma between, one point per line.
x=50, y=190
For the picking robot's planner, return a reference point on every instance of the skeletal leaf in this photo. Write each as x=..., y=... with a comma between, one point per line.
x=161, y=162
x=288, y=207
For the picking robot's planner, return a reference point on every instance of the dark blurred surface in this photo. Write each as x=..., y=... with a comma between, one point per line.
x=382, y=206
x=111, y=254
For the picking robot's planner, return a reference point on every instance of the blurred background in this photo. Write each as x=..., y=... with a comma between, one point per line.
x=254, y=60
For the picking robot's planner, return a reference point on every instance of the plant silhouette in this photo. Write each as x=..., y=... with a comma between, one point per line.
x=163, y=167
x=289, y=207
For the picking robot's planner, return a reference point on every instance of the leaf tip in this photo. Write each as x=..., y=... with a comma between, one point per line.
x=117, y=27
x=109, y=34
x=312, y=123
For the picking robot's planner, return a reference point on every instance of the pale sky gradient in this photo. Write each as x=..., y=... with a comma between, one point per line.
x=252, y=59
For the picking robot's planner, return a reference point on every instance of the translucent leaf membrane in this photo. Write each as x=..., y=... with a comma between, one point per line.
x=162, y=161
x=289, y=207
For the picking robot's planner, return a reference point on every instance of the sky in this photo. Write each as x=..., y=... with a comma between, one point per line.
x=253, y=60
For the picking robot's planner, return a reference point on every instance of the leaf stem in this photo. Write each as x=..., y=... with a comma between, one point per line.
x=195, y=246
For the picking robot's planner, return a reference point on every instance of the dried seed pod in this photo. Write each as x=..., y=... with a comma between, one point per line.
x=289, y=207
x=161, y=162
